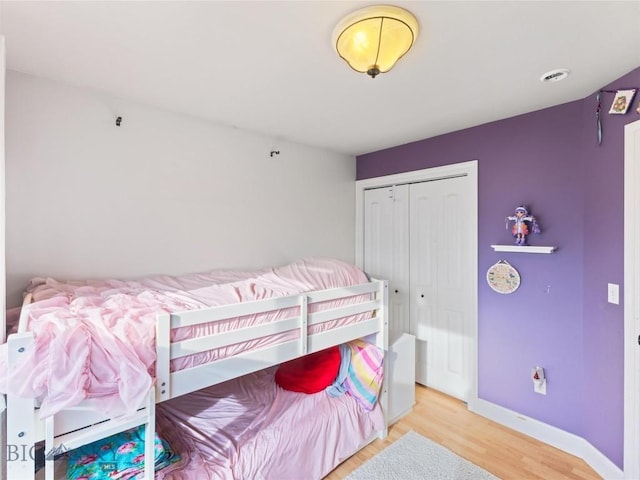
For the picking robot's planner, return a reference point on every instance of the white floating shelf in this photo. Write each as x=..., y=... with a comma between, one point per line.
x=523, y=248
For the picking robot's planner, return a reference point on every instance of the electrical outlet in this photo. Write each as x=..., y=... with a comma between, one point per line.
x=613, y=293
x=540, y=388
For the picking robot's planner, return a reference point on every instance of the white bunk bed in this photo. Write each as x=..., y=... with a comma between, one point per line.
x=83, y=423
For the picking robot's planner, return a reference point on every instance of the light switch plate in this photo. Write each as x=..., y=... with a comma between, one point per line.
x=613, y=293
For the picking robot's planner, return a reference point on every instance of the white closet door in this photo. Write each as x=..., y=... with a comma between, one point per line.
x=386, y=249
x=440, y=277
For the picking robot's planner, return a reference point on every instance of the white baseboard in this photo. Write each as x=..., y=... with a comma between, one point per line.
x=549, y=434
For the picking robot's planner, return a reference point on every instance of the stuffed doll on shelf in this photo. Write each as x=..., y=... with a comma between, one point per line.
x=523, y=225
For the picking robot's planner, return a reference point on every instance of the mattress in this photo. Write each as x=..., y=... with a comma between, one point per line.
x=95, y=339
x=250, y=428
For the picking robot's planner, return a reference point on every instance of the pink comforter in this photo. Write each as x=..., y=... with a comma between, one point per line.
x=95, y=339
x=249, y=428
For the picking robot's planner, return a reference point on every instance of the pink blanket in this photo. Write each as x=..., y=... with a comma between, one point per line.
x=252, y=429
x=95, y=339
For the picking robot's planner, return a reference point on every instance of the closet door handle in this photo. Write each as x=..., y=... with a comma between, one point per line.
x=396, y=290
x=422, y=295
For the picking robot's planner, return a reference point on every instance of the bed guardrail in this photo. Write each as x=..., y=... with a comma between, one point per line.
x=172, y=384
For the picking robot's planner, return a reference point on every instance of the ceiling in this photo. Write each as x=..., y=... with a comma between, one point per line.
x=269, y=67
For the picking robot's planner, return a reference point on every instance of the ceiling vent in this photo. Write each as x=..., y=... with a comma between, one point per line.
x=555, y=75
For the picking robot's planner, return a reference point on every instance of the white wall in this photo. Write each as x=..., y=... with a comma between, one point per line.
x=2, y=202
x=3, y=422
x=162, y=193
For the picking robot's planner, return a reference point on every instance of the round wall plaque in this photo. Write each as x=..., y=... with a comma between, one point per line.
x=503, y=278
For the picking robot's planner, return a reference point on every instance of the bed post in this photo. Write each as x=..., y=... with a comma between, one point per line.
x=163, y=357
x=304, y=310
x=150, y=437
x=382, y=341
x=21, y=426
x=3, y=437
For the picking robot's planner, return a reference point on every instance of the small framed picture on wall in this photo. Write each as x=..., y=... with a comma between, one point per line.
x=622, y=101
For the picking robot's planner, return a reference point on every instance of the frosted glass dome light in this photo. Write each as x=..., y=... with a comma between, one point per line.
x=371, y=40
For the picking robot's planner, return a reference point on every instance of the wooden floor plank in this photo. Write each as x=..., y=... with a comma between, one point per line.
x=506, y=453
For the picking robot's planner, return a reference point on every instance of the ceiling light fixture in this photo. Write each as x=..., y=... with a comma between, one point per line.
x=371, y=40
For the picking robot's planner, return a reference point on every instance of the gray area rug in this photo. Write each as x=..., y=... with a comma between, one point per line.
x=414, y=457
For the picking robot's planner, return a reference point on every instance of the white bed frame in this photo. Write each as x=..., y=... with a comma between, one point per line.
x=83, y=424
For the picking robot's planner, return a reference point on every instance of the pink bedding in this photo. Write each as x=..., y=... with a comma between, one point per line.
x=250, y=428
x=95, y=339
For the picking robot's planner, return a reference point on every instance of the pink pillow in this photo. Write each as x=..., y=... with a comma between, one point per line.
x=311, y=373
x=365, y=373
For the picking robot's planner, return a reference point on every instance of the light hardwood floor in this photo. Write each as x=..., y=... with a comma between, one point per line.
x=507, y=454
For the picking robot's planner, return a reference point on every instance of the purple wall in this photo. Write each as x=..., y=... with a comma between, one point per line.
x=604, y=263
x=559, y=318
